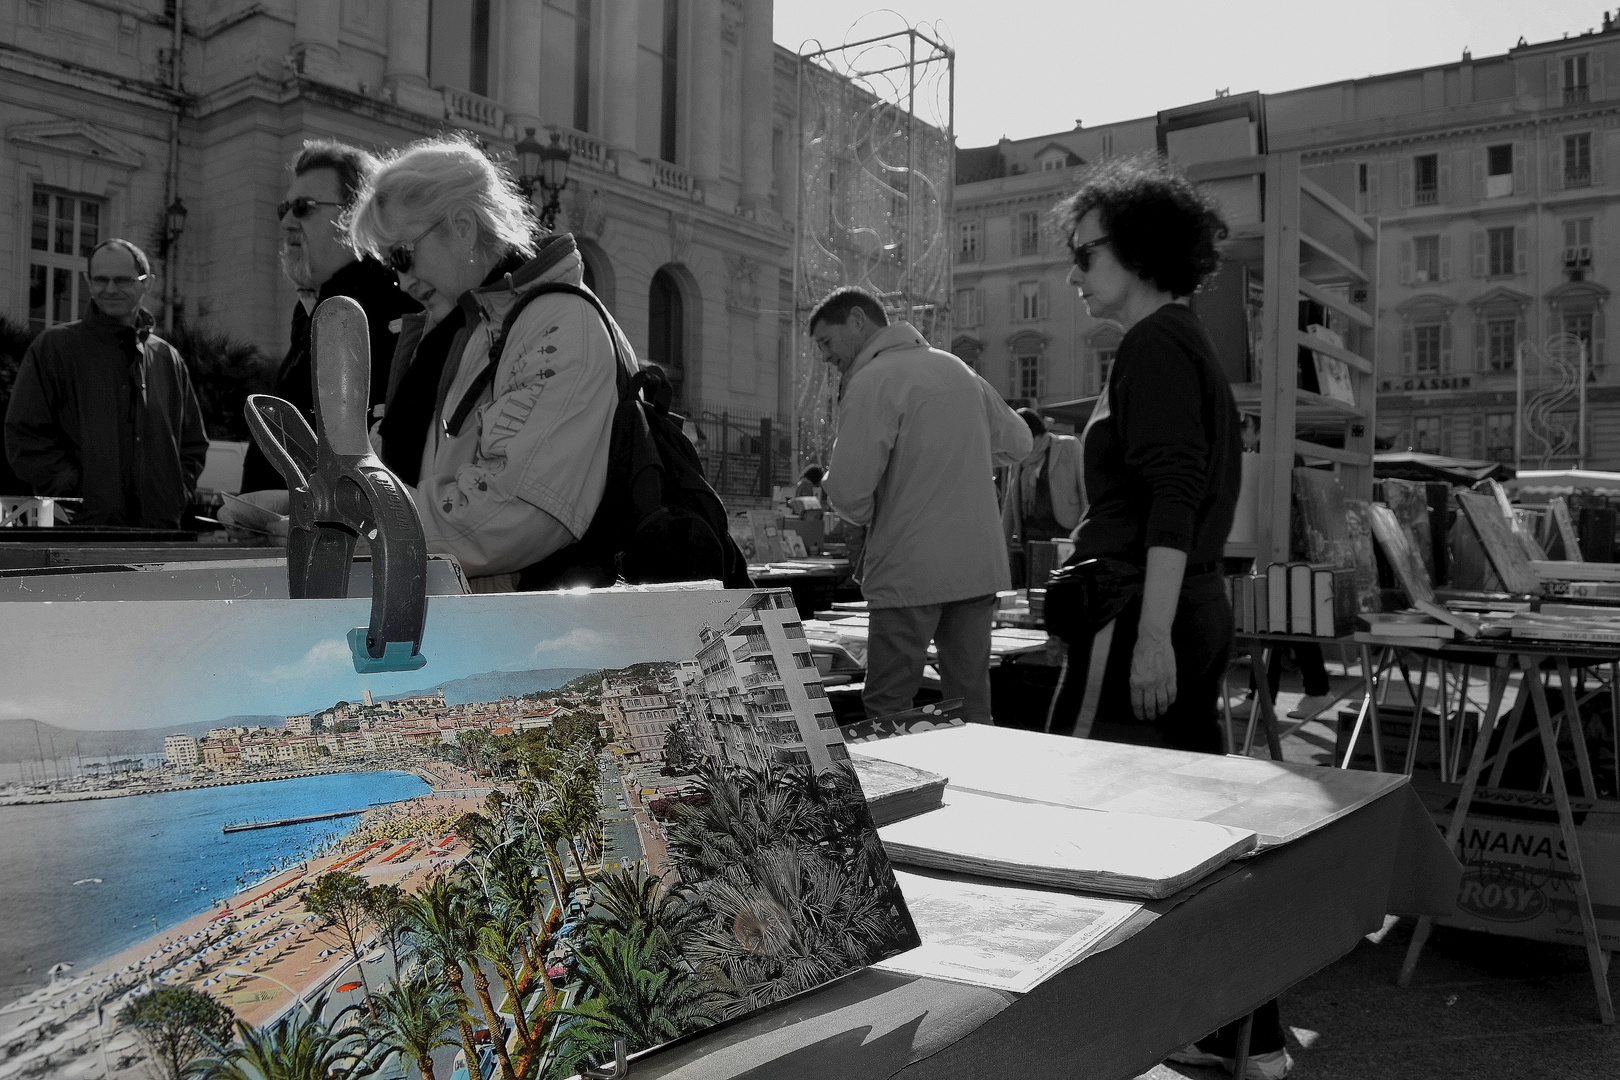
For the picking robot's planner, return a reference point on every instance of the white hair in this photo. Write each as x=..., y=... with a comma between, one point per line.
x=431, y=179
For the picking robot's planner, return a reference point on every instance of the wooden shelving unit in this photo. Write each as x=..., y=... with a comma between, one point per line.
x=1311, y=247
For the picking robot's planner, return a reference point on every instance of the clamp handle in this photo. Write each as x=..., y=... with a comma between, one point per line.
x=339, y=491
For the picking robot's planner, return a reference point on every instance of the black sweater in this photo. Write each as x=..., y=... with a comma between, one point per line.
x=1162, y=448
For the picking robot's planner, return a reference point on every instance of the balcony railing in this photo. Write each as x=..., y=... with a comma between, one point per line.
x=773, y=708
x=1426, y=194
x=755, y=645
x=670, y=177
x=1577, y=176
x=762, y=678
x=473, y=110
x=1577, y=95
x=587, y=149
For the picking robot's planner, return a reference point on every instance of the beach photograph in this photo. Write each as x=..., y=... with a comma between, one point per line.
x=589, y=818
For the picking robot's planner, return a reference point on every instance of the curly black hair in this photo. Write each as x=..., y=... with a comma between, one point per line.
x=1161, y=227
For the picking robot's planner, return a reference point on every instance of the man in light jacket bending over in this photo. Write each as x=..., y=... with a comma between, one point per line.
x=919, y=434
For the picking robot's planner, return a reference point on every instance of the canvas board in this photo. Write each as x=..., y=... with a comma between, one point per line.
x=1109, y=852
x=1502, y=547
x=1277, y=800
x=1000, y=935
x=687, y=729
x=1565, y=526
x=222, y=579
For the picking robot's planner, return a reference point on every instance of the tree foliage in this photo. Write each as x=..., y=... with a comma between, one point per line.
x=175, y=1024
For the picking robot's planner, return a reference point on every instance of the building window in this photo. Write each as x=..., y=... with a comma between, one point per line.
x=1426, y=179
x=1029, y=233
x=967, y=307
x=1425, y=259
x=1578, y=160
x=1576, y=88
x=458, y=44
x=1361, y=179
x=1499, y=251
x=838, y=752
x=1499, y=436
x=1030, y=301
x=1580, y=325
x=967, y=246
x=1501, y=343
x=1105, y=366
x=1498, y=170
x=1052, y=164
x=63, y=231
x=1029, y=377
x=1578, y=245
x=582, y=65
x=1426, y=349
x=666, y=330
x=1426, y=435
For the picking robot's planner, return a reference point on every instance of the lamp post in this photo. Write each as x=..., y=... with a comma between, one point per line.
x=544, y=168
x=174, y=223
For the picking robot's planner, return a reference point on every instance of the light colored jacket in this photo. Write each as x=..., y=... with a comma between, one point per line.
x=525, y=475
x=1060, y=455
x=919, y=435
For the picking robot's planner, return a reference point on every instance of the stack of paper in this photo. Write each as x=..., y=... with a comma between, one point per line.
x=895, y=792
x=1095, y=851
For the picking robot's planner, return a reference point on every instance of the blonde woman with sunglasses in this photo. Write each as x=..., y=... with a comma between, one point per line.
x=504, y=442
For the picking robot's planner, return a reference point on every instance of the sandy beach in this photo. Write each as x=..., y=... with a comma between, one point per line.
x=262, y=936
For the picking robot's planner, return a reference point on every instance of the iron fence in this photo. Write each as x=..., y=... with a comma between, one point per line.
x=744, y=452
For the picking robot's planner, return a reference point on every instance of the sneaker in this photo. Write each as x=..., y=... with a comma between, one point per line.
x=1273, y=1066
x=1310, y=705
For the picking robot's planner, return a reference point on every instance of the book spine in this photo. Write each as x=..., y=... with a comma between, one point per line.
x=1558, y=633
x=1259, y=606
x=1322, y=620
x=1299, y=598
x=1277, y=598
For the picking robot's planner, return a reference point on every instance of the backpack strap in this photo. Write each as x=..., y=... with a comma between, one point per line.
x=497, y=345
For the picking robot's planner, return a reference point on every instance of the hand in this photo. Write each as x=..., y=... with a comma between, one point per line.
x=257, y=514
x=1153, y=676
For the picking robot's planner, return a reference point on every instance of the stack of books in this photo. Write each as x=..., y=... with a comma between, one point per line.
x=1314, y=599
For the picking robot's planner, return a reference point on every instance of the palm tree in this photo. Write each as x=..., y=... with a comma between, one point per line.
x=497, y=941
x=299, y=1046
x=443, y=938
x=641, y=905
x=639, y=999
x=413, y=1020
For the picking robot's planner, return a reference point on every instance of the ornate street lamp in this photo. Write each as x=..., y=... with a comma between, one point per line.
x=544, y=168
x=175, y=220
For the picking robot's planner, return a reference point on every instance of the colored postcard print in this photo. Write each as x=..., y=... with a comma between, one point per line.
x=595, y=816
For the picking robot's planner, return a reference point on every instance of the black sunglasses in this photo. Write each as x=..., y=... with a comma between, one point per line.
x=401, y=257
x=302, y=207
x=1082, y=254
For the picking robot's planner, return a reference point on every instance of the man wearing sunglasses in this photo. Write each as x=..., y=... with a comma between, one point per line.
x=317, y=258
x=103, y=410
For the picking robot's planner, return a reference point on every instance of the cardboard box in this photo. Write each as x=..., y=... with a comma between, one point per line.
x=1516, y=874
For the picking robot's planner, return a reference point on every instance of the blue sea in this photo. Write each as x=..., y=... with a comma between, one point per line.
x=81, y=881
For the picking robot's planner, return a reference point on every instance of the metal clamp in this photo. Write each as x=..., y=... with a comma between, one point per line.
x=617, y=1071
x=340, y=491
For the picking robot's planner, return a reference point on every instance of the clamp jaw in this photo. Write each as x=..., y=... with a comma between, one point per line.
x=340, y=491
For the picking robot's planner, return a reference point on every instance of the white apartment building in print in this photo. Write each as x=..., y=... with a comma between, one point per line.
x=758, y=698
x=180, y=750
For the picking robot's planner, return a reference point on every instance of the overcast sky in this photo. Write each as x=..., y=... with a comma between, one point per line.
x=1031, y=67
x=153, y=663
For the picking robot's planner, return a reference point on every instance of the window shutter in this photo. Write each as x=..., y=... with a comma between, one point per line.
x=1521, y=249
x=978, y=307
x=1042, y=302
x=1521, y=179
x=1445, y=347
x=1373, y=172
x=1445, y=258
x=1406, y=181
x=1040, y=377
x=1555, y=164
x=1406, y=350
x=1555, y=75
x=1480, y=340
x=1405, y=272
x=1012, y=301
x=1599, y=146
x=1444, y=168
x=1596, y=358
x=1479, y=172
x=1480, y=266
x=1594, y=75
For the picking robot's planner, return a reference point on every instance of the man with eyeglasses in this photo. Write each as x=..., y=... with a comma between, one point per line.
x=316, y=257
x=104, y=411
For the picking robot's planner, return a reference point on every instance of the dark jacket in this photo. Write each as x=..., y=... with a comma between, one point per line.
x=374, y=288
x=106, y=413
x=1162, y=448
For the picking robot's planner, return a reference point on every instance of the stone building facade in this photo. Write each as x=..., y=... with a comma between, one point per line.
x=679, y=115
x=1495, y=186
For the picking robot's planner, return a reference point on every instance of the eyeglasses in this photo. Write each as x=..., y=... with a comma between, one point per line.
x=401, y=257
x=102, y=282
x=1082, y=253
x=301, y=207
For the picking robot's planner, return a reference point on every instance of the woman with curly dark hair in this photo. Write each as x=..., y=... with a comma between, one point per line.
x=1161, y=473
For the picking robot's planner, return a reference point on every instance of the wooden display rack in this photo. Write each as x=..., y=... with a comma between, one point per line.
x=1310, y=246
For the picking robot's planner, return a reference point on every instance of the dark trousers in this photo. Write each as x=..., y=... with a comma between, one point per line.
x=1311, y=669
x=1201, y=636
